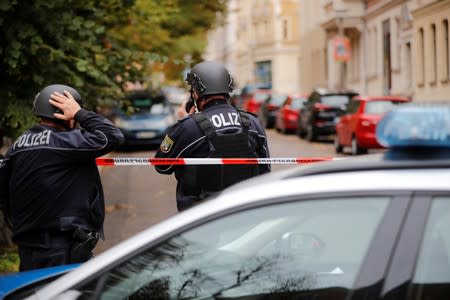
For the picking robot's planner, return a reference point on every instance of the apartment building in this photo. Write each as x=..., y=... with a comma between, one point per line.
x=388, y=48
x=432, y=49
x=265, y=43
x=395, y=47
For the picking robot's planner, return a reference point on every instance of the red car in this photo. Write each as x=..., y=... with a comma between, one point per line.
x=356, y=128
x=287, y=116
x=253, y=101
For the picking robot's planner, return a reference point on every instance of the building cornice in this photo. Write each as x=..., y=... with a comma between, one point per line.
x=430, y=7
x=381, y=7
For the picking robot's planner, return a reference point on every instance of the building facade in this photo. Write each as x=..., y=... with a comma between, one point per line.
x=391, y=47
x=432, y=49
x=265, y=43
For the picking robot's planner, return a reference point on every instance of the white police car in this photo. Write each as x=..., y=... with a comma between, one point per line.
x=372, y=227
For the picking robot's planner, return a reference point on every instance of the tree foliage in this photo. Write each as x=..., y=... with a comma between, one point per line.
x=93, y=45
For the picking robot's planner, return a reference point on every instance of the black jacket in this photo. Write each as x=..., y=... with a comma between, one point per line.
x=50, y=178
x=185, y=139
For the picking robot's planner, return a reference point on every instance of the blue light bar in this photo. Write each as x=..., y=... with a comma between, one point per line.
x=416, y=125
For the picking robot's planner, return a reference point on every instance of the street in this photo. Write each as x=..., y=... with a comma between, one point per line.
x=138, y=197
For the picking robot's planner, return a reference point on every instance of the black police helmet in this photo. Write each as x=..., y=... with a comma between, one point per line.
x=41, y=106
x=209, y=78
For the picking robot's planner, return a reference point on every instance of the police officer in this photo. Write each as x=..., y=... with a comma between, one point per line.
x=51, y=182
x=213, y=128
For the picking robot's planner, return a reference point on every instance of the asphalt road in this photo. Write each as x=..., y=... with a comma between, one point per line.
x=138, y=197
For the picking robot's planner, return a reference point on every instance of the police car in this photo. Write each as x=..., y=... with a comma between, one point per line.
x=371, y=227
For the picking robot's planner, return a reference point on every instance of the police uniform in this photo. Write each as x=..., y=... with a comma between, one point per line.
x=187, y=139
x=53, y=187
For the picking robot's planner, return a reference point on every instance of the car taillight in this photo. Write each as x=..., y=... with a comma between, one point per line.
x=367, y=123
x=321, y=107
x=319, y=122
x=271, y=107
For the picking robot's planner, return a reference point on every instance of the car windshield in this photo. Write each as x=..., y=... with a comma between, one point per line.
x=148, y=105
x=381, y=106
x=297, y=103
x=277, y=99
x=335, y=100
x=277, y=251
x=260, y=97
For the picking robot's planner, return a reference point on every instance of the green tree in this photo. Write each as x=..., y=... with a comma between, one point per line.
x=94, y=45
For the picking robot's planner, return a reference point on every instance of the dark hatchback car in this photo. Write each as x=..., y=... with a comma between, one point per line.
x=268, y=110
x=144, y=118
x=318, y=115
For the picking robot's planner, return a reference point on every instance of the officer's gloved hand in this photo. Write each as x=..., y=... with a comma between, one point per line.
x=188, y=106
x=85, y=242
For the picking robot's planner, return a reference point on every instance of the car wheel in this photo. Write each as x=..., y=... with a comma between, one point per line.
x=356, y=149
x=310, y=134
x=337, y=147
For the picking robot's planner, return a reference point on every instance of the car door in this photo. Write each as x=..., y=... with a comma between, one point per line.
x=321, y=247
x=345, y=123
x=420, y=268
x=282, y=113
x=357, y=109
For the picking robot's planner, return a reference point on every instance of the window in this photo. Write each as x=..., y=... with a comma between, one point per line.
x=381, y=107
x=285, y=250
x=446, y=51
x=387, y=59
x=432, y=274
x=421, y=58
x=285, y=29
x=353, y=106
x=434, y=54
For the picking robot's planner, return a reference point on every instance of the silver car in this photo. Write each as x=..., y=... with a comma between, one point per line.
x=372, y=227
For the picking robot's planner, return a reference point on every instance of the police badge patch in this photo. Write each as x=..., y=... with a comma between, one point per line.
x=166, y=144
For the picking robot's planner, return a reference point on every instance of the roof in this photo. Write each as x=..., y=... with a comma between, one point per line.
x=378, y=98
x=323, y=91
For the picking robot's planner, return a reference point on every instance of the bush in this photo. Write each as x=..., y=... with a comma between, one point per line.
x=9, y=259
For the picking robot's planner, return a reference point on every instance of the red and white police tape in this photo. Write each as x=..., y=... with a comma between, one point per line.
x=132, y=161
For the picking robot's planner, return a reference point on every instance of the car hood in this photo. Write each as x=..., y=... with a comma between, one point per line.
x=14, y=281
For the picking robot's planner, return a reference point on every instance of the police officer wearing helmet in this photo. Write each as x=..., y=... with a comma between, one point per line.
x=213, y=129
x=50, y=182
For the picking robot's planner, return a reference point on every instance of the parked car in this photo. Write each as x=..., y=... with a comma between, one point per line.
x=244, y=93
x=356, y=128
x=145, y=118
x=286, y=119
x=175, y=95
x=318, y=116
x=372, y=227
x=253, y=101
x=269, y=108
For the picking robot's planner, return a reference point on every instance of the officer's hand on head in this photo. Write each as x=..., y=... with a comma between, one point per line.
x=192, y=110
x=66, y=103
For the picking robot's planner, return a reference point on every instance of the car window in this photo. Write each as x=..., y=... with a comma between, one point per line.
x=297, y=103
x=380, y=107
x=335, y=100
x=285, y=250
x=277, y=99
x=432, y=275
x=260, y=97
x=353, y=106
